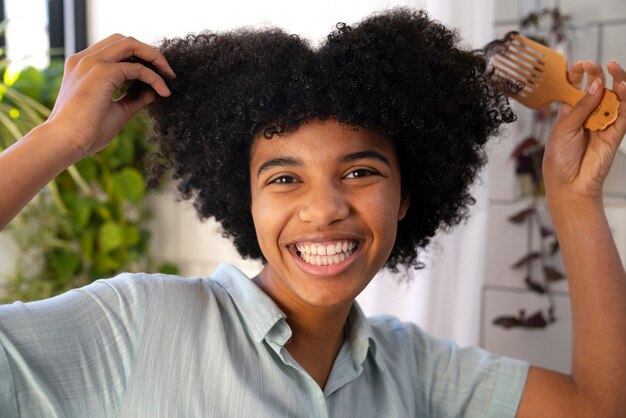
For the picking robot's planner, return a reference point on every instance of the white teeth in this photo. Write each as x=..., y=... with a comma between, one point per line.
x=324, y=255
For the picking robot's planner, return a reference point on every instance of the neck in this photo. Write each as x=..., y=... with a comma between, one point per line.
x=316, y=341
x=317, y=332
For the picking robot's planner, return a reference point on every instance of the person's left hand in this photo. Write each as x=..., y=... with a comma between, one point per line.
x=577, y=161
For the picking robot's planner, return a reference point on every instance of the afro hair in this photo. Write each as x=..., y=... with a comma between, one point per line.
x=397, y=72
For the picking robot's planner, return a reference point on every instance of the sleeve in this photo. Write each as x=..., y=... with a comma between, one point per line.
x=71, y=355
x=468, y=382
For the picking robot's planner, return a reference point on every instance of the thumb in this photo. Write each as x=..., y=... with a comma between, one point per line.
x=132, y=105
x=585, y=106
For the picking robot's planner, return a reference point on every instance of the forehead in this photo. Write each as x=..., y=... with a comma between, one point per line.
x=322, y=141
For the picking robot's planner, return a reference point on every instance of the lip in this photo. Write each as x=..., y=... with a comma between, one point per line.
x=331, y=270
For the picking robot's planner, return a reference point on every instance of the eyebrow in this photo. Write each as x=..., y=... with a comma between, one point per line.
x=279, y=162
x=365, y=155
x=295, y=162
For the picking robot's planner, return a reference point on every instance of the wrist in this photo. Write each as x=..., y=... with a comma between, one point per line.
x=58, y=143
x=64, y=141
x=573, y=204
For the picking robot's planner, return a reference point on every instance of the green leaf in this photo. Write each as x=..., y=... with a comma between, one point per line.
x=126, y=150
x=110, y=237
x=64, y=264
x=87, y=243
x=129, y=184
x=105, y=265
x=87, y=169
x=131, y=235
x=144, y=240
x=168, y=268
x=80, y=207
x=107, y=182
x=30, y=82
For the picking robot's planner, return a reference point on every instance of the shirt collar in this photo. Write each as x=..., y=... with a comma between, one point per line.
x=258, y=311
x=361, y=337
x=265, y=319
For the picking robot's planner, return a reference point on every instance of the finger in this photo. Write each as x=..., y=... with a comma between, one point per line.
x=576, y=74
x=618, y=74
x=130, y=106
x=579, y=113
x=563, y=110
x=128, y=47
x=593, y=71
x=136, y=71
x=75, y=58
x=100, y=44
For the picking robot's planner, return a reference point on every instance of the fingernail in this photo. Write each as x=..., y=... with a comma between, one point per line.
x=593, y=88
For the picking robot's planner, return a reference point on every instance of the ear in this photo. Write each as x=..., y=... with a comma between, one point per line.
x=404, y=206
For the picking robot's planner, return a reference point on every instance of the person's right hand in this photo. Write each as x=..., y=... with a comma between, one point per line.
x=85, y=111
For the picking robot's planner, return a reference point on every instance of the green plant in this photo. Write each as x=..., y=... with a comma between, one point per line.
x=88, y=223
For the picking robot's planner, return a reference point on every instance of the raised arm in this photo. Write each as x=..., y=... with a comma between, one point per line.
x=84, y=119
x=575, y=166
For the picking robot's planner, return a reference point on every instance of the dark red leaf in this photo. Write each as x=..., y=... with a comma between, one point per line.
x=534, y=286
x=507, y=321
x=554, y=248
x=552, y=274
x=525, y=260
x=524, y=146
x=546, y=232
x=536, y=320
x=522, y=215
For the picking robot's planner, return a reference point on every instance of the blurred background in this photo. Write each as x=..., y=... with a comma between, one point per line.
x=496, y=281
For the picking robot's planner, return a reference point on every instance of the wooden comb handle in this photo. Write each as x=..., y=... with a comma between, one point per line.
x=603, y=115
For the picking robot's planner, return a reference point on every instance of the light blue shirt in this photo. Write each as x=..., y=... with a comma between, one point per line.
x=153, y=346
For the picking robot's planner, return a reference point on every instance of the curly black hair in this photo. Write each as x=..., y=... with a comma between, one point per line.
x=397, y=72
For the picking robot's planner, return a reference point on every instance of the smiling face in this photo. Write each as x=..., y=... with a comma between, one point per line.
x=326, y=201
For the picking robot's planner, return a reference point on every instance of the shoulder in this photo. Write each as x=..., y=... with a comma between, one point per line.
x=146, y=287
x=393, y=333
x=453, y=381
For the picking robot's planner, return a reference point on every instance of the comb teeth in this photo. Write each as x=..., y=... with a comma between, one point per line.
x=520, y=63
x=539, y=75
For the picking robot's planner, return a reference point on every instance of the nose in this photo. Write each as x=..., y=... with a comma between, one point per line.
x=324, y=204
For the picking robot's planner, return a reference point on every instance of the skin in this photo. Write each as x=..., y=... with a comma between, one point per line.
x=312, y=186
x=575, y=166
x=576, y=163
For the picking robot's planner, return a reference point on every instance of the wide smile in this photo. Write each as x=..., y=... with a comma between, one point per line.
x=326, y=254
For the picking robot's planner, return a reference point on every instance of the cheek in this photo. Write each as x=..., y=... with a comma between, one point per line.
x=382, y=212
x=269, y=220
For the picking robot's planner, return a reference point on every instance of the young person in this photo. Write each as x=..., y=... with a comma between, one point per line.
x=327, y=164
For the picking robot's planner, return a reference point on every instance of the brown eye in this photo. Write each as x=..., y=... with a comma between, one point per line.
x=283, y=180
x=359, y=173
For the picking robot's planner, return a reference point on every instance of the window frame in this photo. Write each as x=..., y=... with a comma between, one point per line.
x=67, y=27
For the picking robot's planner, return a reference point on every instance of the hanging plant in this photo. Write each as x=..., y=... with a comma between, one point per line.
x=540, y=283
x=528, y=156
